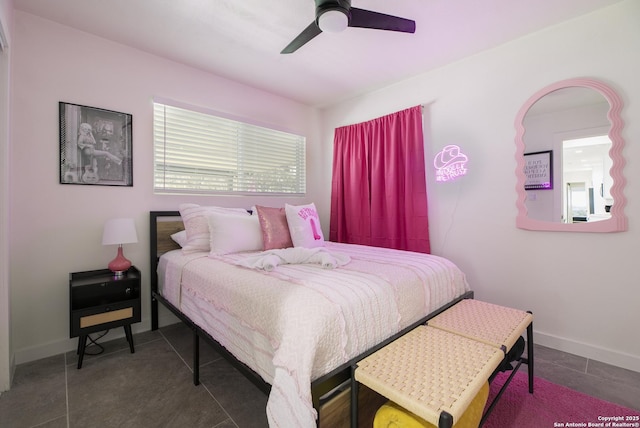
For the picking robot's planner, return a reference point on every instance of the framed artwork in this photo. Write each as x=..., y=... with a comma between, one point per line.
x=538, y=170
x=95, y=146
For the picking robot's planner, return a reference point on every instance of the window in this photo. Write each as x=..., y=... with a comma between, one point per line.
x=199, y=152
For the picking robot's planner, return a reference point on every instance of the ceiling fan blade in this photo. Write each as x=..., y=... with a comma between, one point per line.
x=307, y=34
x=368, y=19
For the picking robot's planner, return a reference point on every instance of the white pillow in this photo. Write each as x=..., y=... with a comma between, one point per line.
x=180, y=238
x=194, y=218
x=304, y=225
x=232, y=233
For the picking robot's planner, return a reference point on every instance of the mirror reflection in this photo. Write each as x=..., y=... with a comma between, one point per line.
x=572, y=123
x=569, y=159
x=586, y=182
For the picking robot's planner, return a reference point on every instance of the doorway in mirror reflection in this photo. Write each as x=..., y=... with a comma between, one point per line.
x=586, y=187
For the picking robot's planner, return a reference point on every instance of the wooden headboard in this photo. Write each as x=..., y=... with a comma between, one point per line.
x=163, y=239
x=162, y=225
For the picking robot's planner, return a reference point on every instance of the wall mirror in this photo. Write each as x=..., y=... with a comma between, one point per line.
x=569, y=159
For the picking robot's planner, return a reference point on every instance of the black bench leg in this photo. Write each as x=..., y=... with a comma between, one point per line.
x=355, y=386
x=445, y=421
x=530, y=355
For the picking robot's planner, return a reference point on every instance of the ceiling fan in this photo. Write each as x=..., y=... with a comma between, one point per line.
x=337, y=15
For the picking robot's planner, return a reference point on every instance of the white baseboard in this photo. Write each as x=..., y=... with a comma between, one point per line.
x=619, y=359
x=61, y=346
x=615, y=358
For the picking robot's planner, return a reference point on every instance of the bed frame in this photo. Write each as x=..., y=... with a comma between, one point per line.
x=330, y=387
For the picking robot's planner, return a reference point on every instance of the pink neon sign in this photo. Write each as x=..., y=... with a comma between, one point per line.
x=450, y=163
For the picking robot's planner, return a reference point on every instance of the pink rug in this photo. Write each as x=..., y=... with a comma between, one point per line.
x=552, y=405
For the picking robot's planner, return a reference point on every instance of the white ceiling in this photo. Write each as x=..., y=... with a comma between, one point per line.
x=242, y=39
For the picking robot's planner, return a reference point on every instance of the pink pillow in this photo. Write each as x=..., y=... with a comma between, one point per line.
x=275, y=229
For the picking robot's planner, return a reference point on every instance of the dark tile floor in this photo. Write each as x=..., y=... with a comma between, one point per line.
x=153, y=387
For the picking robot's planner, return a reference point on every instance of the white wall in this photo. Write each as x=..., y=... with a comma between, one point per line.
x=6, y=350
x=57, y=229
x=582, y=288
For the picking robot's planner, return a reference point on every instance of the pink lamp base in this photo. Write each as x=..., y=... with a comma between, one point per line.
x=120, y=264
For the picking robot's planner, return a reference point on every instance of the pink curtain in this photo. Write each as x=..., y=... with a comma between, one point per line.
x=378, y=189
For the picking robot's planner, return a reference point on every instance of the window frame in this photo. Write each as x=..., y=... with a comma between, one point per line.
x=237, y=174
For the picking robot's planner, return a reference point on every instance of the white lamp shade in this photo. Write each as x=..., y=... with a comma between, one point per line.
x=333, y=21
x=119, y=231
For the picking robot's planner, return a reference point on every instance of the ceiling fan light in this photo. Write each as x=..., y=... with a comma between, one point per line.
x=333, y=21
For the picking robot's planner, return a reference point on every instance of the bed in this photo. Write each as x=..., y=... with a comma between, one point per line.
x=296, y=330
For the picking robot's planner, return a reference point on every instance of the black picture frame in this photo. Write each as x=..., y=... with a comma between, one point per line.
x=538, y=170
x=95, y=146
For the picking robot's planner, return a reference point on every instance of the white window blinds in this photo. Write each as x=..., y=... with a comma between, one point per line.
x=198, y=152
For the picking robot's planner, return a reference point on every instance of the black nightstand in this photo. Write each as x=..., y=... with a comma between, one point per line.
x=100, y=301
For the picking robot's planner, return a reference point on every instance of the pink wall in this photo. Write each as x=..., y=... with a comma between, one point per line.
x=57, y=229
x=580, y=286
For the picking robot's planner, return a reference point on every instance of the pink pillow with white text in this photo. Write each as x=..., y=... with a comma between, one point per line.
x=275, y=231
x=304, y=225
x=195, y=219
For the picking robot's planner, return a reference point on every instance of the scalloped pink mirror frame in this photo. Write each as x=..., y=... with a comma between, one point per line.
x=618, y=221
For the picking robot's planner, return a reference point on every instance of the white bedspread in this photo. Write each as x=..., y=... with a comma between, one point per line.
x=300, y=321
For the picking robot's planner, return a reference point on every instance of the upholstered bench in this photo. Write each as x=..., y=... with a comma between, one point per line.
x=436, y=370
x=494, y=325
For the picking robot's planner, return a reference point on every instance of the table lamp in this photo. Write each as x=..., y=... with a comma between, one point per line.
x=119, y=231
